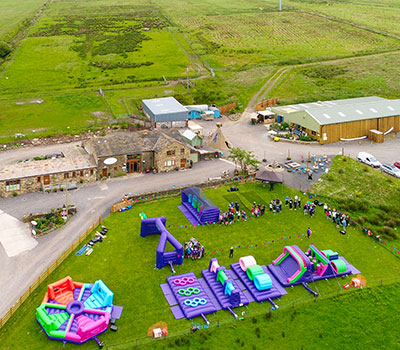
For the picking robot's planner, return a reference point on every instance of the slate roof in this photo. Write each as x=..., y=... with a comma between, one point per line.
x=121, y=143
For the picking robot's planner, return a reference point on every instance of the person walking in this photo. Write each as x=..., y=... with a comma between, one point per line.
x=231, y=252
x=310, y=176
x=309, y=233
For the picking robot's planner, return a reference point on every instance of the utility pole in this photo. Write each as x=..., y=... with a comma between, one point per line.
x=187, y=78
x=66, y=195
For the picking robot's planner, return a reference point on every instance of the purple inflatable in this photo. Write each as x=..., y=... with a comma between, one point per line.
x=156, y=226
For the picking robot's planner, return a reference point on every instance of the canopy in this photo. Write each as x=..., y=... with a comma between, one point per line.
x=269, y=176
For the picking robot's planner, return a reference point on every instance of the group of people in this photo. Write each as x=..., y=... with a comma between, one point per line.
x=257, y=209
x=233, y=212
x=293, y=203
x=193, y=249
x=338, y=218
x=275, y=206
x=309, y=209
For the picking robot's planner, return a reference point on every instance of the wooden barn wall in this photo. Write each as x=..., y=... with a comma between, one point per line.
x=335, y=132
x=386, y=123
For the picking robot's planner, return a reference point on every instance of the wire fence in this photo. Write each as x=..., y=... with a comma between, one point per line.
x=47, y=272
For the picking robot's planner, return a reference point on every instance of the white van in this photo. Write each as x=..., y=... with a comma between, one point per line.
x=368, y=159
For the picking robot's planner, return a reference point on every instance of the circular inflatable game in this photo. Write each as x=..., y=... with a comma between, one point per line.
x=75, y=312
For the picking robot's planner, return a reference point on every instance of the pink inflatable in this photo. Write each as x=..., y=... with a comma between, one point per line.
x=247, y=261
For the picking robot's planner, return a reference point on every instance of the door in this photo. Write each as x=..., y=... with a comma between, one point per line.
x=46, y=179
x=183, y=163
x=105, y=172
x=133, y=166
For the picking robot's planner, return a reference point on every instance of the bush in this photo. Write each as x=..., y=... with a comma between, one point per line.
x=387, y=231
x=307, y=138
x=15, y=194
x=5, y=49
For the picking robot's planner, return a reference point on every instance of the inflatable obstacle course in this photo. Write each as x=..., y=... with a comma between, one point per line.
x=223, y=286
x=157, y=226
x=197, y=208
x=295, y=267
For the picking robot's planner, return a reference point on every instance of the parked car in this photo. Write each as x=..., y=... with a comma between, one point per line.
x=397, y=164
x=368, y=159
x=391, y=170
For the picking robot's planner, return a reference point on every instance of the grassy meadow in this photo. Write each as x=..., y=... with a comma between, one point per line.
x=128, y=48
x=374, y=204
x=361, y=76
x=14, y=13
x=125, y=262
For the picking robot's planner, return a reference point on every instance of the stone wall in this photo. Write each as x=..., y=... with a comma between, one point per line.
x=162, y=158
x=113, y=169
x=35, y=183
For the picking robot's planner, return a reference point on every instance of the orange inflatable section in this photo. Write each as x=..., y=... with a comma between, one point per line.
x=62, y=290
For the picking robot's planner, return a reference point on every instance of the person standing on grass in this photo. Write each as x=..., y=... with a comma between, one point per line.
x=231, y=252
x=309, y=233
x=290, y=203
x=286, y=201
x=295, y=203
x=344, y=223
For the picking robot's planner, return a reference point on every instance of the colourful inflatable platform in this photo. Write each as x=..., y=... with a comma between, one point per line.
x=75, y=312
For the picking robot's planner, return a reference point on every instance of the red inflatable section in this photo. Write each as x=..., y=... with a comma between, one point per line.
x=62, y=290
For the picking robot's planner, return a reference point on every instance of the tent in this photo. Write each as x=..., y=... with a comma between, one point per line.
x=218, y=140
x=269, y=176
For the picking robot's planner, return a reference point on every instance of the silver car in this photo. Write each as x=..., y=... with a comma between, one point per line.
x=391, y=170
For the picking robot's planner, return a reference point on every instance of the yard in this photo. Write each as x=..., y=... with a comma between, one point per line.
x=125, y=262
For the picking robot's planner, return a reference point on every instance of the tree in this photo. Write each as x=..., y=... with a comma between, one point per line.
x=5, y=49
x=243, y=158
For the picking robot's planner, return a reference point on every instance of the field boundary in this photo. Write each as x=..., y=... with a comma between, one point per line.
x=130, y=200
x=57, y=262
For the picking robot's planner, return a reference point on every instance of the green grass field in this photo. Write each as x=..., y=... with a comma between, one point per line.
x=14, y=13
x=127, y=47
x=362, y=76
x=374, y=203
x=125, y=262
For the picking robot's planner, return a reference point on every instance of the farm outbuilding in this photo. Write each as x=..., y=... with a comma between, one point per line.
x=165, y=112
x=343, y=120
x=192, y=138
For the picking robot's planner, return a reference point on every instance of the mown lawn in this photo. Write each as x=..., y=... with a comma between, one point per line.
x=125, y=262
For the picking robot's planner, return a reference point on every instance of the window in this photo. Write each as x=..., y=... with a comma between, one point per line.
x=73, y=173
x=313, y=132
x=38, y=179
x=182, y=151
x=171, y=153
x=81, y=173
x=169, y=163
x=12, y=185
x=91, y=172
x=66, y=175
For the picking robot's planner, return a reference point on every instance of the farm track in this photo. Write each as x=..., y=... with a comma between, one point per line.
x=35, y=19
x=275, y=78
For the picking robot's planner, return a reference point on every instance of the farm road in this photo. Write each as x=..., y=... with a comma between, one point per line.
x=19, y=272
x=276, y=77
